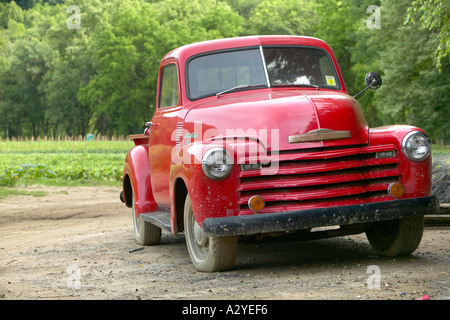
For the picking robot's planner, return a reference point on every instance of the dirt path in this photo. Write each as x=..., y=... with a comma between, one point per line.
x=77, y=243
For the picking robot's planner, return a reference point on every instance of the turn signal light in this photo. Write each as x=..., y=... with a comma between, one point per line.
x=396, y=190
x=256, y=203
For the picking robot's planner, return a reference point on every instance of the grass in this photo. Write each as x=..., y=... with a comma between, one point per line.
x=441, y=153
x=5, y=192
x=62, y=163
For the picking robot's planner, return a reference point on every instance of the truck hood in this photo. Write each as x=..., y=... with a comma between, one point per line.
x=281, y=119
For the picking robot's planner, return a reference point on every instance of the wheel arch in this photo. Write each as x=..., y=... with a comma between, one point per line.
x=180, y=192
x=136, y=180
x=127, y=191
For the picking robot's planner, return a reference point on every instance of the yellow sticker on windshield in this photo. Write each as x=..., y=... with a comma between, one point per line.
x=330, y=80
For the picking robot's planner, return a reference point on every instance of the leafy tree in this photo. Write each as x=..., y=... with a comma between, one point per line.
x=72, y=68
x=65, y=113
x=244, y=7
x=123, y=50
x=434, y=15
x=9, y=12
x=197, y=20
x=290, y=17
x=11, y=18
x=414, y=92
x=30, y=63
x=128, y=44
x=8, y=86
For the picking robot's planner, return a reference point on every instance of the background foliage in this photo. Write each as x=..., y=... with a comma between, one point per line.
x=101, y=78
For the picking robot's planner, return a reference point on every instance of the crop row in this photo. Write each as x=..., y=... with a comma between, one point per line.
x=64, y=163
x=65, y=146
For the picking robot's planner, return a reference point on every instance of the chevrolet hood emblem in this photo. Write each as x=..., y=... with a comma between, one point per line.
x=320, y=135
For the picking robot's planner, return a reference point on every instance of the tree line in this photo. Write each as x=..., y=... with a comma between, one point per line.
x=90, y=66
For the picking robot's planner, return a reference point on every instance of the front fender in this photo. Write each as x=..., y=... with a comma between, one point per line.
x=212, y=198
x=136, y=180
x=416, y=175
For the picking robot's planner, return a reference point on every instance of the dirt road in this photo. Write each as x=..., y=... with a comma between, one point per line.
x=77, y=243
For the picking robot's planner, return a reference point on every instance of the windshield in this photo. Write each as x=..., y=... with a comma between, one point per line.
x=213, y=73
x=244, y=69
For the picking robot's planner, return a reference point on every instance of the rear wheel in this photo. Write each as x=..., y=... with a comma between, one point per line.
x=396, y=237
x=208, y=254
x=145, y=233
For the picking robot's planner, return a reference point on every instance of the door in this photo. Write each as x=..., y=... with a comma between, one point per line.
x=163, y=124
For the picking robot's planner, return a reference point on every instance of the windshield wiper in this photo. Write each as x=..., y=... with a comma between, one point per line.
x=241, y=86
x=296, y=85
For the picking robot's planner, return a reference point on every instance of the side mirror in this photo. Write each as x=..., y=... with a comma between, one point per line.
x=373, y=81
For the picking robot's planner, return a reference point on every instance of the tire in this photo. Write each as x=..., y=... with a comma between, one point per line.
x=208, y=254
x=396, y=237
x=145, y=233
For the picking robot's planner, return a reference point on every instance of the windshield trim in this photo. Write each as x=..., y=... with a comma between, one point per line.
x=263, y=58
x=268, y=83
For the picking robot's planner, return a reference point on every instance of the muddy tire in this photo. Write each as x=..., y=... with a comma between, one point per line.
x=396, y=237
x=145, y=233
x=208, y=254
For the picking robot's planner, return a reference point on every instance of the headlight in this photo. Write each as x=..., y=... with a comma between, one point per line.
x=416, y=145
x=217, y=163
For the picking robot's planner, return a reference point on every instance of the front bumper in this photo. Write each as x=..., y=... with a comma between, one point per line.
x=312, y=218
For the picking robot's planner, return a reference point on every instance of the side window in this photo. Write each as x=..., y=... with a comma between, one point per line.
x=168, y=95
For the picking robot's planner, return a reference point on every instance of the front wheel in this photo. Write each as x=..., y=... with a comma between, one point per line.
x=208, y=254
x=145, y=233
x=396, y=237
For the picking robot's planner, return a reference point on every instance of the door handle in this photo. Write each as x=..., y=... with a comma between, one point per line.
x=148, y=127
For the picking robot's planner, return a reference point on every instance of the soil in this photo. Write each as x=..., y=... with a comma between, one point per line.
x=77, y=243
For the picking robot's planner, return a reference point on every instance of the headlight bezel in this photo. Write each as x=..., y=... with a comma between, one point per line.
x=406, y=147
x=207, y=165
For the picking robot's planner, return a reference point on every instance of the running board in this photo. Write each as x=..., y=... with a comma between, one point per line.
x=159, y=219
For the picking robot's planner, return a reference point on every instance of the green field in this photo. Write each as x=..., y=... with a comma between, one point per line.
x=59, y=163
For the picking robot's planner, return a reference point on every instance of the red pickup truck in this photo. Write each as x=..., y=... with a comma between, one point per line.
x=259, y=136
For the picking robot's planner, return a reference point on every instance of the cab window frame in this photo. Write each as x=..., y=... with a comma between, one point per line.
x=162, y=82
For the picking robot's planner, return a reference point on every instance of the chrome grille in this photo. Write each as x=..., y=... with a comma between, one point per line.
x=318, y=179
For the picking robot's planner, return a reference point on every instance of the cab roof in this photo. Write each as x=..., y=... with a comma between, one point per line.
x=185, y=52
